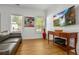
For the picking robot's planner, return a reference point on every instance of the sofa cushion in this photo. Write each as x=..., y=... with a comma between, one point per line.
x=6, y=49
x=3, y=37
x=13, y=35
x=11, y=40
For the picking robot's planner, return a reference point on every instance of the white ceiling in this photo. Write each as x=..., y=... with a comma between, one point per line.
x=40, y=6
x=37, y=6
x=45, y=6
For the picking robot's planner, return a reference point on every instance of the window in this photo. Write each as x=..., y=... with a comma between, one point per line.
x=39, y=23
x=16, y=23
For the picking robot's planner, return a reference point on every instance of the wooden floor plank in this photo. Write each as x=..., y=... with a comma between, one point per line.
x=39, y=47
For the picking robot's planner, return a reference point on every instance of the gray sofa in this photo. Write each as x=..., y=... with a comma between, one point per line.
x=9, y=43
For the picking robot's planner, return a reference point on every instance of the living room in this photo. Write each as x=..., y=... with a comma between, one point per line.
x=29, y=36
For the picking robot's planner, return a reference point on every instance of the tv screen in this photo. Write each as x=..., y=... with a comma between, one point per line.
x=65, y=18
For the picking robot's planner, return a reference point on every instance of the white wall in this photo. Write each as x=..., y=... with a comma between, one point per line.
x=6, y=11
x=72, y=28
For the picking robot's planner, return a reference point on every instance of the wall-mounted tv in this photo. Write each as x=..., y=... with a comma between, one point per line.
x=65, y=18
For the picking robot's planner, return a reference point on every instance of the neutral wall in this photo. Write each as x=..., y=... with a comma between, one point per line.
x=6, y=11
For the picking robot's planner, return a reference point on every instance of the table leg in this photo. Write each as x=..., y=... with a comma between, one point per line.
x=75, y=46
x=67, y=48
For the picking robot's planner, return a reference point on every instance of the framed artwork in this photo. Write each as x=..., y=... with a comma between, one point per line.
x=65, y=18
x=59, y=22
x=70, y=16
x=29, y=22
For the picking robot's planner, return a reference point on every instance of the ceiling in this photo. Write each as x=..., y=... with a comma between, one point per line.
x=37, y=6
x=40, y=6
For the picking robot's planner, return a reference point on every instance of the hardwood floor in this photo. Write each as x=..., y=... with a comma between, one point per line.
x=39, y=47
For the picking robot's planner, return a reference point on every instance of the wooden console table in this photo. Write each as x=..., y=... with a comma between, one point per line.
x=66, y=35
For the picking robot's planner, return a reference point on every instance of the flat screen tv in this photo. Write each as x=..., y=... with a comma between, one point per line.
x=65, y=18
